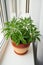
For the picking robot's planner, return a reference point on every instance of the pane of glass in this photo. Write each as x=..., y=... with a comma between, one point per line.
x=1, y=34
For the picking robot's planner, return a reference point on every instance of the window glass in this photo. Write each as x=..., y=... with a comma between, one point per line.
x=1, y=25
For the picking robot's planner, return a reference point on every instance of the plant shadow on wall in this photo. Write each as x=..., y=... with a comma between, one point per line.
x=22, y=32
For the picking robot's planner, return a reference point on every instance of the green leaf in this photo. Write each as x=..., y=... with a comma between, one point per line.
x=38, y=38
x=22, y=30
x=7, y=35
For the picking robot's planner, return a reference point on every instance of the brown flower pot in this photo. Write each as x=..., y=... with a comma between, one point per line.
x=21, y=48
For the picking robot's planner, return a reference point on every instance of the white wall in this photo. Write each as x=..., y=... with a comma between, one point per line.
x=40, y=45
x=34, y=10
x=22, y=6
x=9, y=9
x=18, y=8
x=3, y=9
x=41, y=18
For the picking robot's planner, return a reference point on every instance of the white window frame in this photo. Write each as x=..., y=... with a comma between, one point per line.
x=4, y=42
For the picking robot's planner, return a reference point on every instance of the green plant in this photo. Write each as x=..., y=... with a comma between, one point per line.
x=21, y=30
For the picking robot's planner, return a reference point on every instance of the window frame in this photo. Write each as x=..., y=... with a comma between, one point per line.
x=3, y=19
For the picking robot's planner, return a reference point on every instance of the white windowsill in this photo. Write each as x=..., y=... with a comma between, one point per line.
x=3, y=48
x=11, y=58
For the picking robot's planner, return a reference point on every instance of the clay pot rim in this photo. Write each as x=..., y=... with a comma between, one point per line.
x=20, y=45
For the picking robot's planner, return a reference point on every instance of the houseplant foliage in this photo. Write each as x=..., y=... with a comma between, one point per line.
x=21, y=31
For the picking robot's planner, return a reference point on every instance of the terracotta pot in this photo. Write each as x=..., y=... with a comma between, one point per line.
x=21, y=48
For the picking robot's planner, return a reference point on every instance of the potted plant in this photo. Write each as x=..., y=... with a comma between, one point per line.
x=22, y=32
